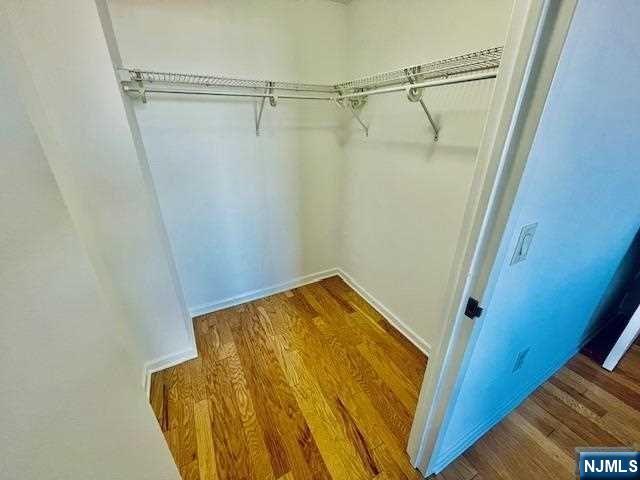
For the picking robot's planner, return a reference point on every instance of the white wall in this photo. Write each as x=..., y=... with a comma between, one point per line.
x=403, y=195
x=243, y=213
x=75, y=103
x=581, y=186
x=70, y=401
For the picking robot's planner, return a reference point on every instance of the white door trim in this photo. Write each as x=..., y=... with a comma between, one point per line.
x=532, y=49
x=627, y=337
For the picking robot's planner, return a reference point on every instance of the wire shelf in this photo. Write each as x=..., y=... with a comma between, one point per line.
x=483, y=60
x=206, y=80
x=351, y=95
x=488, y=59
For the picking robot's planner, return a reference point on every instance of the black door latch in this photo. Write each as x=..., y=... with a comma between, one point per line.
x=473, y=310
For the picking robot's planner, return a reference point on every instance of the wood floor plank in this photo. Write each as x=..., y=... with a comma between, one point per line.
x=567, y=440
x=232, y=457
x=508, y=444
x=190, y=471
x=358, y=441
x=204, y=440
x=158, y=399
x=460, y=469
x=253, y=432
x=266, y=406
x=370, y=328
x=620, y=386
x=578, y=402
x=538, y=445
x=391, y=375
x=186, y=448
x=191, y=381
x=538, y=417
x=394, y=466
x=341, y=456
x=583, y=426
x=302, y=450
x=331, y=325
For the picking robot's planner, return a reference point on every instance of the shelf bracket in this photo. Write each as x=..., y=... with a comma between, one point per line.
x=272, y=101
x=415, y=95
x=142, y=92
x=355, y=105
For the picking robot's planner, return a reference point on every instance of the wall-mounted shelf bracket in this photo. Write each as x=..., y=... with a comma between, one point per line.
x=355, y=105
x=273, y=101
x=142, y=93
x=415, y=95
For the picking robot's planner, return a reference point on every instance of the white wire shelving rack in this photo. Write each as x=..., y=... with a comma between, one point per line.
x=351, y=95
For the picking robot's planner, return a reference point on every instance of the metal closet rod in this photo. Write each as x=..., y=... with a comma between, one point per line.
x=445, y=71
x=365, y=93
x=426, y=84
x=220, y=93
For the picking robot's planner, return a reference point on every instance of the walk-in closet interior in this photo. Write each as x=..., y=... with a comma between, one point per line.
x=310, y=157
x=252, y=213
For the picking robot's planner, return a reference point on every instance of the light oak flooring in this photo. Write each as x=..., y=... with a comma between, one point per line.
x=314, y=383
x=308, y=384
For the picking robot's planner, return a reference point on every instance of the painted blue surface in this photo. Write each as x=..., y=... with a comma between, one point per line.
x=582, y=186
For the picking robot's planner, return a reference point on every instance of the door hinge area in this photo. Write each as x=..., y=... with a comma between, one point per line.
x=473, y=310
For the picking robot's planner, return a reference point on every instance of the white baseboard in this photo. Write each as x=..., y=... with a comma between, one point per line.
x=179, y=357
x=391, y=317
x=167, y=361
x=261, y=293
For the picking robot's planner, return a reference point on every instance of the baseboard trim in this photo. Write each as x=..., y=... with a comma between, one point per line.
x=167, y=361
x=179, y=357
x=261, y=293
x=391, y=317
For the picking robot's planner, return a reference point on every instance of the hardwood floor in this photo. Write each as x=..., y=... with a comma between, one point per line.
x=314, y=383
x=311, y=383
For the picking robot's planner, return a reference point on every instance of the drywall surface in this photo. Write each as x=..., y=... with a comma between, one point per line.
x=243, y=213
x=70, y=401
x=402, y=194
x=581, y=186
x=75, y=103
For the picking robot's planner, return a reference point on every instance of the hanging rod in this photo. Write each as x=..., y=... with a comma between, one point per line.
x=470, y=67
x=427, y=84
x=220, y=93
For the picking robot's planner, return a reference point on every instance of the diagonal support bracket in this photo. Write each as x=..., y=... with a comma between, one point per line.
x=272, y=101
x=259, y=115
x=354, y=106
x=355, y=115
x=415, y=95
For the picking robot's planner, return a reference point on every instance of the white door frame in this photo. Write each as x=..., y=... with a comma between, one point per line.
x=532, y=50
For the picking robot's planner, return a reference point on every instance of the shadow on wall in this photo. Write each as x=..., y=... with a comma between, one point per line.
x=611, y=316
